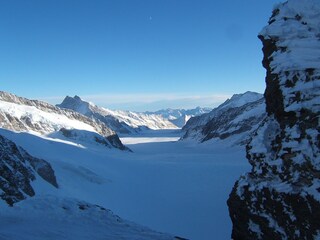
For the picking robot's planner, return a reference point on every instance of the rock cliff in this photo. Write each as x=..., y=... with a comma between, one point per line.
x=280, y=197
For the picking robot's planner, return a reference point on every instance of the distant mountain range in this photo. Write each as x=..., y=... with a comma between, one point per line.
x=80, y=121
x=128, y=122
x=180, y=117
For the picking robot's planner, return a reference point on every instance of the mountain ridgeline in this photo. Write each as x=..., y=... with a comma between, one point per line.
x=235, y=120
x=280, y=197
x=24, y=115
x=123, y=122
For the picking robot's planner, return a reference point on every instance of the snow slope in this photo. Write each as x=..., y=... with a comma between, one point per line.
x=52, y=121
x=69, y=219
x=124, y=122
x=174, y=187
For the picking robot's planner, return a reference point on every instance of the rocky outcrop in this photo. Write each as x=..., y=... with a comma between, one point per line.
x=24, y=115
x=236, y=118
x=280, y=197
x=18, y=169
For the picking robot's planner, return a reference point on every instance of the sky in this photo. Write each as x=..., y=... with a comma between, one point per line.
x=133, y=54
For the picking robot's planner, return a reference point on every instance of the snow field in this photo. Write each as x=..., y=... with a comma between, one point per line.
x=179, y=188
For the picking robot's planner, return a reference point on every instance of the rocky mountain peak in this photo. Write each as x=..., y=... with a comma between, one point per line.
x=238, y=100
x=279, y=198
x=76, y=97
x=75, y=103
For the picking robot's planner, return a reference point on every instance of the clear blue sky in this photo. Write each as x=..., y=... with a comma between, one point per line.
x=132, y=54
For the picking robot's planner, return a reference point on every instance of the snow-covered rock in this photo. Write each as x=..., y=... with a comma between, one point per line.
x=124, y=122
x=180, y=117
x=280, y=197
x=18, y=169
x=24, y=115
x=237, y=117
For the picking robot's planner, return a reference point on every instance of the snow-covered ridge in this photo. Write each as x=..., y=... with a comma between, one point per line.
x=24, y=115
x=237, y=117
x=120, y=121
x=51, y=121
x=236, y=100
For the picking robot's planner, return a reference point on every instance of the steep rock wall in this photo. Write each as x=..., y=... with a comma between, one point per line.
x=280, y=197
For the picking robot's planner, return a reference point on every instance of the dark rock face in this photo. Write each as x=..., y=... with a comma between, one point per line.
x=18, y=169
x=280, y=197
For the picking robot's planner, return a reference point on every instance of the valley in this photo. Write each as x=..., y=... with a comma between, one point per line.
x=162, y=184
x=157, y=147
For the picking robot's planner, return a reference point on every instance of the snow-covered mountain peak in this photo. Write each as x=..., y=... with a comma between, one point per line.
x=76, y=103
x=238, y=100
